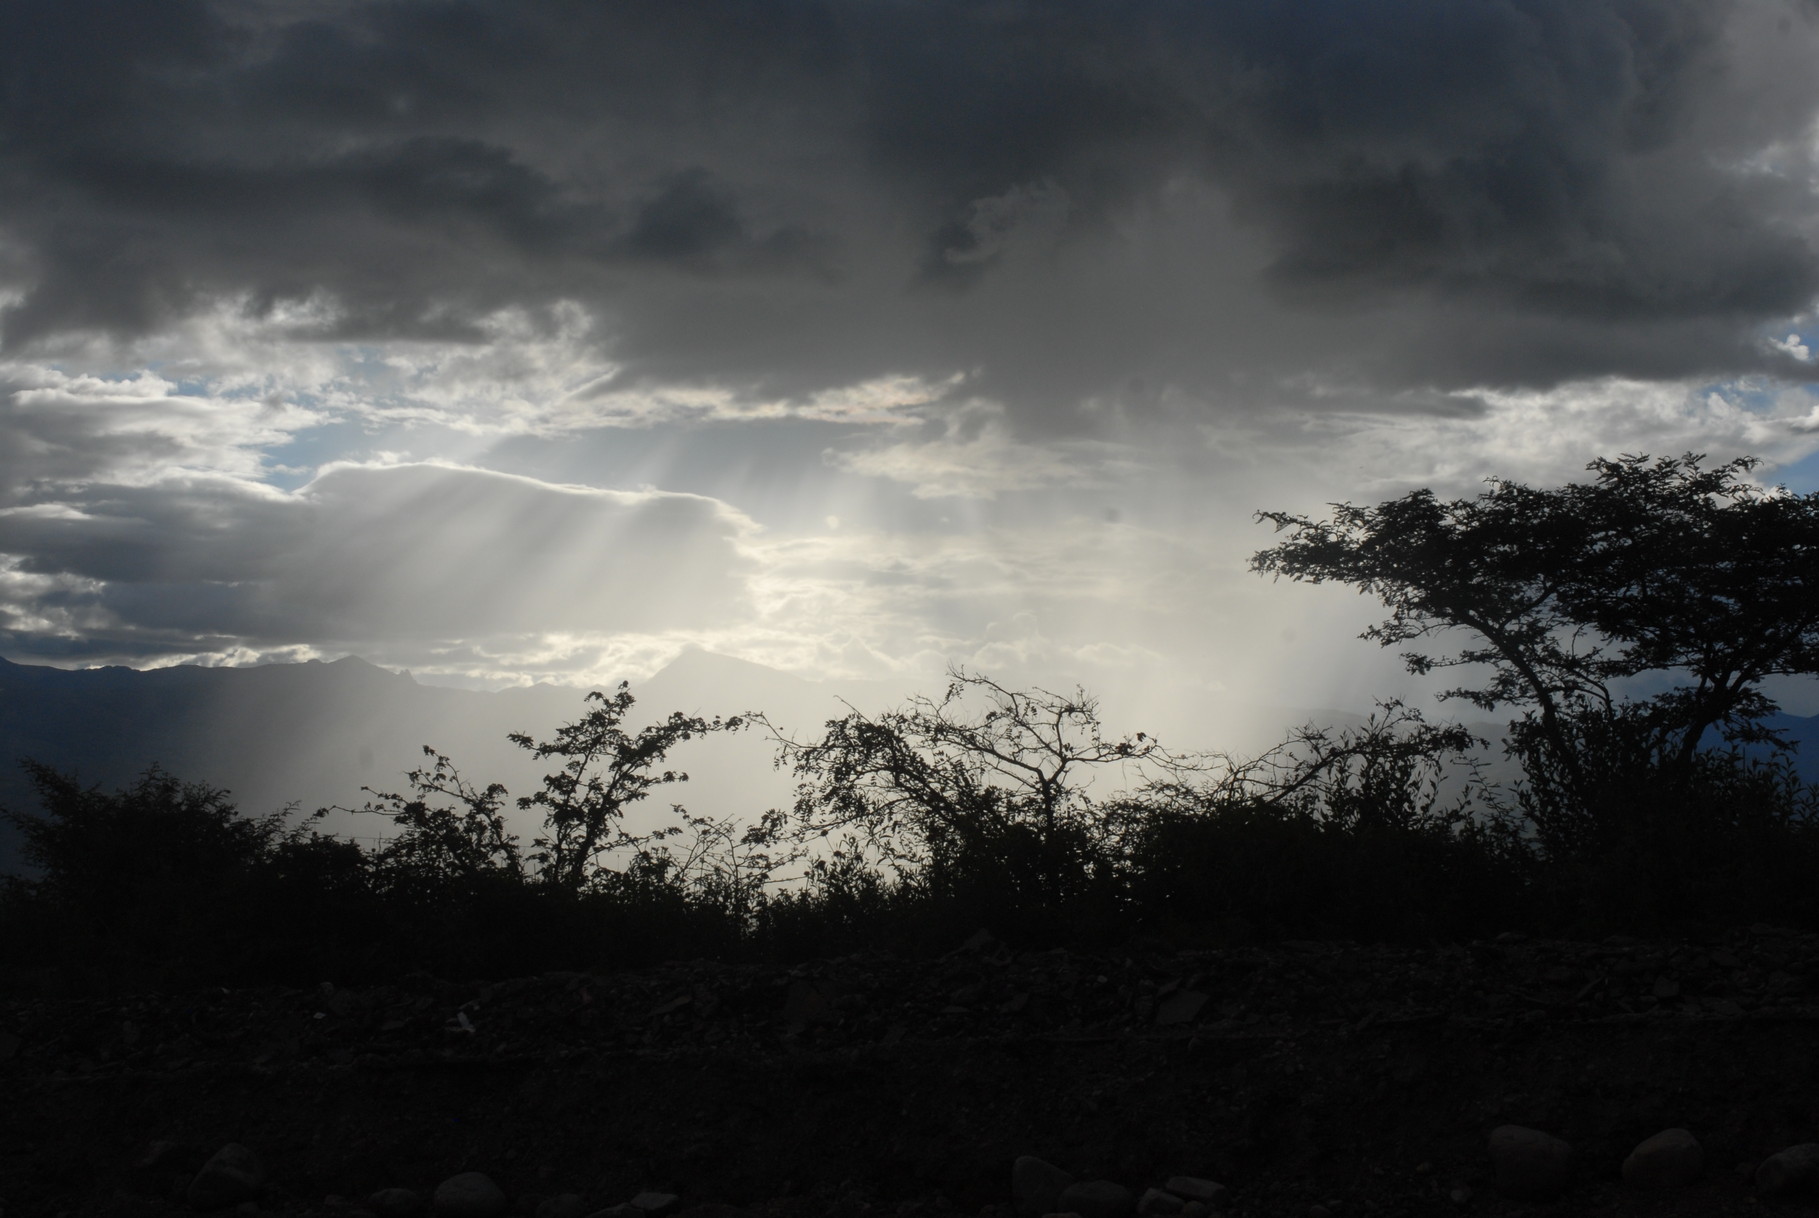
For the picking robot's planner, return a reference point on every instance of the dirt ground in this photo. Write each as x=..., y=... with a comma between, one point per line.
x=1308, y=1077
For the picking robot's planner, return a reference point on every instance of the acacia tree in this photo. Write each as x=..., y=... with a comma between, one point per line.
x=1654, y=567
x=983, y=772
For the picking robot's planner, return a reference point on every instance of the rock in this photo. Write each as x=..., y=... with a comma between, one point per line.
x=808, y=1003
x=981, y=942
x=1530, y=1165
x=566, y=1205
x=1183, y=1006
x=1097, y=1199
x=1036, y=1185
x=656, y=1204
x=1195, y=1209
x=624, y=1209
x=1791, y=1171
x=167, y=1155
x=233, y=1175
x=471, y=1194
x=395, y=1203
x=1155, y=1203
x=1672, y=1158
x=1193, y=1188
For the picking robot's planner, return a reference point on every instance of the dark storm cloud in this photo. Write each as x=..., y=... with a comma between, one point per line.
x=796, y=193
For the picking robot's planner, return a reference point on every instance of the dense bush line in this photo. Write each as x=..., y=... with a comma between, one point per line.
x=164, y=884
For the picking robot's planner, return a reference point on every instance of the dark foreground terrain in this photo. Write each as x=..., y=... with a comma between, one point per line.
x=1309, y=1078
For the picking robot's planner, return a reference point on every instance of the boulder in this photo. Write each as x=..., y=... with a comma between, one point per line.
x=1183, y=1006
x=234, y=1174
x=565, y=1205
x=1155, y=1203
x=471, y=1194
x=655, y=1204
x=1097, y=1199
x=1530, y=1165
x=1793, y=1170
x=1672, y=1158
x=1036, y=1185
x=395, y=1203
x=169, y=1155
x=1193, y=1188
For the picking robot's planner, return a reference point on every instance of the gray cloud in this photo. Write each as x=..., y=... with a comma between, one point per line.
x=365, y=555
x=1059, y=198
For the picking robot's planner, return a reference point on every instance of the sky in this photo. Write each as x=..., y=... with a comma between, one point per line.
x=509, y=341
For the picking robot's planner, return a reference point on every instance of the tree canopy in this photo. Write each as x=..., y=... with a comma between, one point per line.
x=1578, y=596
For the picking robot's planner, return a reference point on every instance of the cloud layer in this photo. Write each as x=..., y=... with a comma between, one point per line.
x=517, y=338
x=1056, y=197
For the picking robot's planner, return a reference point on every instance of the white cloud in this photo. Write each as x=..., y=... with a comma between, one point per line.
x=1793, y=345
x=59, y=427
x=371, y=558
x=976, y=455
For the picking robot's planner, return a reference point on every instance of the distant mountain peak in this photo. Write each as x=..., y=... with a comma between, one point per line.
x=695, y=662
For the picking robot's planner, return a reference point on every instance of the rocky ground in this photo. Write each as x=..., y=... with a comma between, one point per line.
x=1307, y=1078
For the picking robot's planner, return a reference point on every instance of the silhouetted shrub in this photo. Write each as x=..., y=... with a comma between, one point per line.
x=1370, y=833
x=1726, y=840
x=1260, y=871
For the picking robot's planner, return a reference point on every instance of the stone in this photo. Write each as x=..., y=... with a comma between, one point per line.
x=624, y=1209
x=808, y=1003
x=1672, y=1158
x=1183, y=1006
x=1195, y=1209
x=1155, y=1203
x=1036, y=1185
x=656, y=1204
x=980, y=942
x=1530, y=1165
x=1097, y=1199
x=168, y=1155
x=564, y=1205
x=1790, y=1171
x=1193, y=1188
x=471, y=1194
x=234, y=1174
x=395, y=1203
